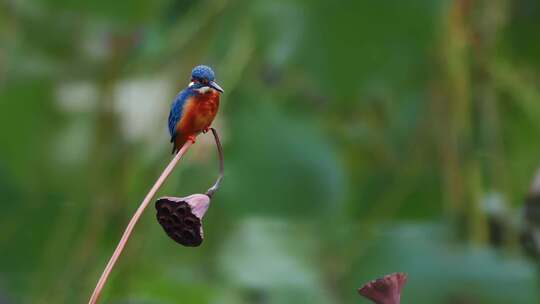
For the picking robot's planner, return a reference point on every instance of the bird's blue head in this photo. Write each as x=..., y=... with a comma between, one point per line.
x=202, y=76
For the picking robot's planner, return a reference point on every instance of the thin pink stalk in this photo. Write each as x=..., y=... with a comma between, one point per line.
x=133, y=221
x=216, y=185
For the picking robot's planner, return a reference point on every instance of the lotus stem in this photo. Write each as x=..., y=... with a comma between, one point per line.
x=215, y=187
x=129, y=229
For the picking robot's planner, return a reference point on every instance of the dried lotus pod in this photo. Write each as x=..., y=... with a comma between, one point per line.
x=386, y=290
x=181, y=217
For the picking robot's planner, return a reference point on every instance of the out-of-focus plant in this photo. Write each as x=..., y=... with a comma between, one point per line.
x=530, y=236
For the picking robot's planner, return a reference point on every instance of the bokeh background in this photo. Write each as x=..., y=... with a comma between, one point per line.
x=361, y=138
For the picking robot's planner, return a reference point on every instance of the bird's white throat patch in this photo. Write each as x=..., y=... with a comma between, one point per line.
x=204, y=89
x=201, y=90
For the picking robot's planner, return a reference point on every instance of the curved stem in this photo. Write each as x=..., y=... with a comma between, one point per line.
x=127, y=233
x=215, y=187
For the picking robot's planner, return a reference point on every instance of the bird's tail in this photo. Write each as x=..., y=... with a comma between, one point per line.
x=178, y=142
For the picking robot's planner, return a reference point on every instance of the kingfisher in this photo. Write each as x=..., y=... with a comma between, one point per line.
x=194, y=108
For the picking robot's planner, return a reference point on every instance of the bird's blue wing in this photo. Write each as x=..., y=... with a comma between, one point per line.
x=176, y=111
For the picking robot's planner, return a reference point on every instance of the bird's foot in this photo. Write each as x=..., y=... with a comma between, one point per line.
x=205, y=130
x=191, y=138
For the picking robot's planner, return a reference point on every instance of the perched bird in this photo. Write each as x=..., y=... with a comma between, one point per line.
x=195, y=107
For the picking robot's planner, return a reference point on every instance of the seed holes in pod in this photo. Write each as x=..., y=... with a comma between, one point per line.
x=188, y=235
x=181, y=210
x=190, y=222
x=165, y=210
x=176, y=219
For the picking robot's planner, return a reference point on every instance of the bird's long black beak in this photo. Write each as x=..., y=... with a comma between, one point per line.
x=216, y=86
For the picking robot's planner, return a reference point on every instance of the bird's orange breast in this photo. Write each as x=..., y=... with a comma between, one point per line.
x=199, y=113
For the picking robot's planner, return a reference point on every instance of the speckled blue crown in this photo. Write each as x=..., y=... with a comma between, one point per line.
x=203, y=72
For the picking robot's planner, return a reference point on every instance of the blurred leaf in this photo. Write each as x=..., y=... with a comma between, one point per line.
x=280, y=166
x=273, y=257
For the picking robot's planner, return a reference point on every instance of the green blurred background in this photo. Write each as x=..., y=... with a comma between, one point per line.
x=361, y=138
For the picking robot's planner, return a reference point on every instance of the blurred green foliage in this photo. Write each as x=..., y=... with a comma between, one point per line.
x=361, y=138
